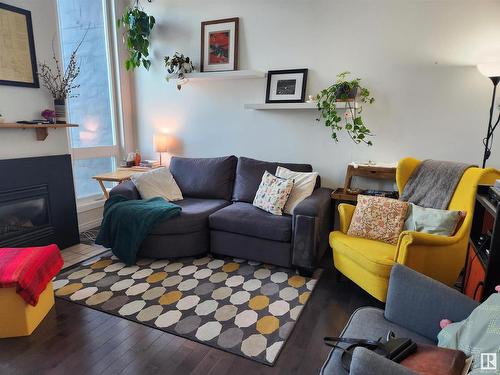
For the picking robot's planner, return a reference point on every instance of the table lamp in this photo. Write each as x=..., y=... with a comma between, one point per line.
x=492, y=71
x=161, y=144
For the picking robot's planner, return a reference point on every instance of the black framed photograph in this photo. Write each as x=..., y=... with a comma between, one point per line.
x=286, y=86
x=18, y=65
x=219, y=45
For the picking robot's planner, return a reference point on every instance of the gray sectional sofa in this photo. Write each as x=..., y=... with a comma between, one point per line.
x=218, y=216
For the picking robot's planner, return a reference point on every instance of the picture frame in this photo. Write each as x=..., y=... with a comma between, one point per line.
x=286, y=86
x=18, y=66
x=219, y=45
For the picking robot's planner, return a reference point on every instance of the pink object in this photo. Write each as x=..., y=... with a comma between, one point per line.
x=444, y=323
x=48, y=114
x=497, y=288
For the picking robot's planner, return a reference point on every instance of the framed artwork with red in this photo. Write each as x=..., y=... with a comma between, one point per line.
x=219, y=45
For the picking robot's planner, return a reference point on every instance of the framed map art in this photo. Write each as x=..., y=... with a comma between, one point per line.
x=18, y=65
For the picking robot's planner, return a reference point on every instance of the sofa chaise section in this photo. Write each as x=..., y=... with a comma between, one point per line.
x=206, y=185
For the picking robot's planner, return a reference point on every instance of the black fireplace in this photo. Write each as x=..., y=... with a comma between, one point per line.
x=37, y=202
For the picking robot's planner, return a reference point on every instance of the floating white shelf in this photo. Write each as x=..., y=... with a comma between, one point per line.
x=340, y=105
x=233, y=74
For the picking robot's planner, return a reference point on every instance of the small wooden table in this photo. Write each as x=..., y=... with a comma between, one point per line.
x=347, y=194
x=119, y=176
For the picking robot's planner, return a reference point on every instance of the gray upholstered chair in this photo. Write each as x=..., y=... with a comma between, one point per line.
x=415, y=306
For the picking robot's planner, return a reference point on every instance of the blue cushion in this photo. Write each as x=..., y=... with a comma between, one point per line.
x=244, y=218
x=211, y=178
x=249, y=174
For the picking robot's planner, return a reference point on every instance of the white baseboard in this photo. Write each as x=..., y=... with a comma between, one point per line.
x=89, y=225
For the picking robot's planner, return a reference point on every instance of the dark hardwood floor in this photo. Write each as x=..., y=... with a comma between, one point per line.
x=77, y=340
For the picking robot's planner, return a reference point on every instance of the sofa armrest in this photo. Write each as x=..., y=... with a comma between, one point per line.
x=312, y=222
x=418, y=302
x=366, y=362
x=127, y=189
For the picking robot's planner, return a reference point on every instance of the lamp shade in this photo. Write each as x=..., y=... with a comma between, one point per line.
x=491, y=69
x=161, y=142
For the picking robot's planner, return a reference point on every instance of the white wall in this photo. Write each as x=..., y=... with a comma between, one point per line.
x=23, y=103
x=416, y=56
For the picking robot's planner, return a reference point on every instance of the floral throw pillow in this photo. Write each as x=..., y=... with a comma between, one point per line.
x=273, y=193
x=378, y=218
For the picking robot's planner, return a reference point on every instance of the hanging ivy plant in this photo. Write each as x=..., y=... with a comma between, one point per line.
x=345, y=91
x=138, y=25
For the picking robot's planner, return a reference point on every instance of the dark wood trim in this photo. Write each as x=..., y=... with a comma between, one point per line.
x=236, y=21
x=31, y=40
x=270, y=73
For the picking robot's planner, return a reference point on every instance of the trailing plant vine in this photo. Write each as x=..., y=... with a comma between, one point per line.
x=138, y=26
x=345, y=91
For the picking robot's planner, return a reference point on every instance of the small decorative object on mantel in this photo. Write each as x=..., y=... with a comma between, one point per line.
x=2, y=119
x=177, y=66
x=61, y=85
x=286, y=86
x=219, y=45
x=49, y=115
x=345, y=91
x=138, y=26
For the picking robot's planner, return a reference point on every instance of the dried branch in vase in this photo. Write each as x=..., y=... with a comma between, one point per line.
x=61, y=84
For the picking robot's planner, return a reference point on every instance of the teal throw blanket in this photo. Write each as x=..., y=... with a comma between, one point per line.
x=126, y=223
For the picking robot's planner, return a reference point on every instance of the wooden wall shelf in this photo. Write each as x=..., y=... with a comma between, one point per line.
x=42, y=130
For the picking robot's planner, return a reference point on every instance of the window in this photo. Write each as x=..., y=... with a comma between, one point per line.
x=94, y=143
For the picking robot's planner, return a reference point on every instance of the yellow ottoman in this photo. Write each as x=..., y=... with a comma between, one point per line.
x=18, y=318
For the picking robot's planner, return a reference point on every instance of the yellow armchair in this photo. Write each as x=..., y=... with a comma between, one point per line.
x=368, y=263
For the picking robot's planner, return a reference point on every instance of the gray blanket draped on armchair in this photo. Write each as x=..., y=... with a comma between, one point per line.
x=433, y=183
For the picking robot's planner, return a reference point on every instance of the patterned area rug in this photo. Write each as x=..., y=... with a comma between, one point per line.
x=243, y=307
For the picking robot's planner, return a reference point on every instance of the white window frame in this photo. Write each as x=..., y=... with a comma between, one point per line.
x=115, y=151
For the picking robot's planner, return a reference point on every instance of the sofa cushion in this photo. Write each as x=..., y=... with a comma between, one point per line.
x=367, y=323
x=193, y=217
x=211, y=178
x=244, y=218
x=249, y=174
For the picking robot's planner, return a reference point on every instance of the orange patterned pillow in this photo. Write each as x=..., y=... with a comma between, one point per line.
x=378, y=218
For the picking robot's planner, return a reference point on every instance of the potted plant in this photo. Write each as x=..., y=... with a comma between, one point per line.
x=138, y=26
x=177, y=66
x=345, y=91
x=61, y=84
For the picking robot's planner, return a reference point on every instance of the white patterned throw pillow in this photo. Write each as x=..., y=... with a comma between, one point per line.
x=157, y=183
x=303, y=186
x=273, y=193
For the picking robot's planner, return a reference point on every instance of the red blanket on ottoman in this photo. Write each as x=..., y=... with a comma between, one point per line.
x=29, y=269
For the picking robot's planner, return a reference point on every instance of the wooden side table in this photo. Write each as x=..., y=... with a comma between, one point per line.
x=119, y=176
x=349, y=195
